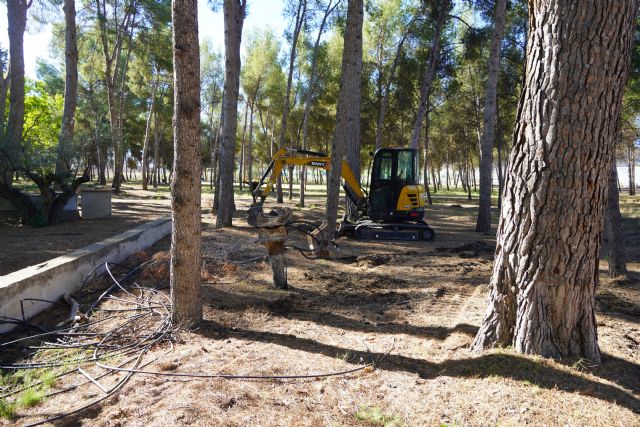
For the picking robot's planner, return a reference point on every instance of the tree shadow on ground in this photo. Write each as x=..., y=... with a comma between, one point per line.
x=505, y=365
x=301, y=310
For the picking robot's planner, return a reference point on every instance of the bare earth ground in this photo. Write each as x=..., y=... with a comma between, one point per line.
x=414, y=315
x=25, y=246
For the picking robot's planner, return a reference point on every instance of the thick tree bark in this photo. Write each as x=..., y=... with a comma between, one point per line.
x=348, y=111
x=490, y=119
x=185, y=186
x=546, y=264
x=17, y=19
x=234, y=12
x=613, y=226
x=430, y=71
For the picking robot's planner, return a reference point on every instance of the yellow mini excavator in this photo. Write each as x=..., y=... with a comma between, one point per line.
x=394, y=207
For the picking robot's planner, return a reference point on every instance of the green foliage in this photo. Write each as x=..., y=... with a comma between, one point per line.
x=42, y=121
x=375, y=416
x=7, y=410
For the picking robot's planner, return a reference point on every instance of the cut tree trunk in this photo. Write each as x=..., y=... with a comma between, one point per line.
x=489, y=119
x=545, y=274
x=185, y=187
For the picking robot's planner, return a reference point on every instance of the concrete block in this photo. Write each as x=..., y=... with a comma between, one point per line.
x=52, y=279
x=95, y=203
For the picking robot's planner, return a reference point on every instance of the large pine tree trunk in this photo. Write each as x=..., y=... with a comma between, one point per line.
x=185, y=186
x=546, y=264
x=17, y=19
x=490, y=116
x=348, y=110
x=234, y=11
x=613, y=226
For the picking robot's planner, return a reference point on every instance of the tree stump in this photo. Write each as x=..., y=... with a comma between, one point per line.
x=272, y=233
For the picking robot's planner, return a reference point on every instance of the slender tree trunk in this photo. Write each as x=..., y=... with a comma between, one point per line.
x=65, y=142
x=299, y=20
x=430, y=71
x=249, y=154
x=490, y=118
x=545, y=274
x=147, y=136
x=185, y=187
x=241, y=163
x=5, y=80
x=156, y=146
x=385, y=96
x=234, y=11
x=426, y=159
x=348, y=111
x=17, y=20
x=631, y=162
x=310, y=94
x=447, y=170
x=499, y=138
x=613, y=226
x=112, y=68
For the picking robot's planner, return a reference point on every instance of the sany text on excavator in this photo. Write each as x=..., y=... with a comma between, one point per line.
x=394, y=206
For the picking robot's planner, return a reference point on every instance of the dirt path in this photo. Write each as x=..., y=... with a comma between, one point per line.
x=412, y=308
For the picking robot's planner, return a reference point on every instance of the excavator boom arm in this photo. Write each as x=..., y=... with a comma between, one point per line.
x=316, y=160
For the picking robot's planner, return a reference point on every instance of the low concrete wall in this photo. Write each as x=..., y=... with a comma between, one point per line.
x=52, y=279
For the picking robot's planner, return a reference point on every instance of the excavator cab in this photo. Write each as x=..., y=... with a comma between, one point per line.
x=394, y=192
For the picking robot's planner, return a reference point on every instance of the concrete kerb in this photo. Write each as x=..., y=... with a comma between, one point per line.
x=52, y=279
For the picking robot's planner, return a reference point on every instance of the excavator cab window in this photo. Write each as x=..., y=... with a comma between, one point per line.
x=406, y=166
x=383, y=168
x=393, y=168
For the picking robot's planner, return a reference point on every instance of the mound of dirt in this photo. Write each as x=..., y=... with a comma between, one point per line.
x=373, y=260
